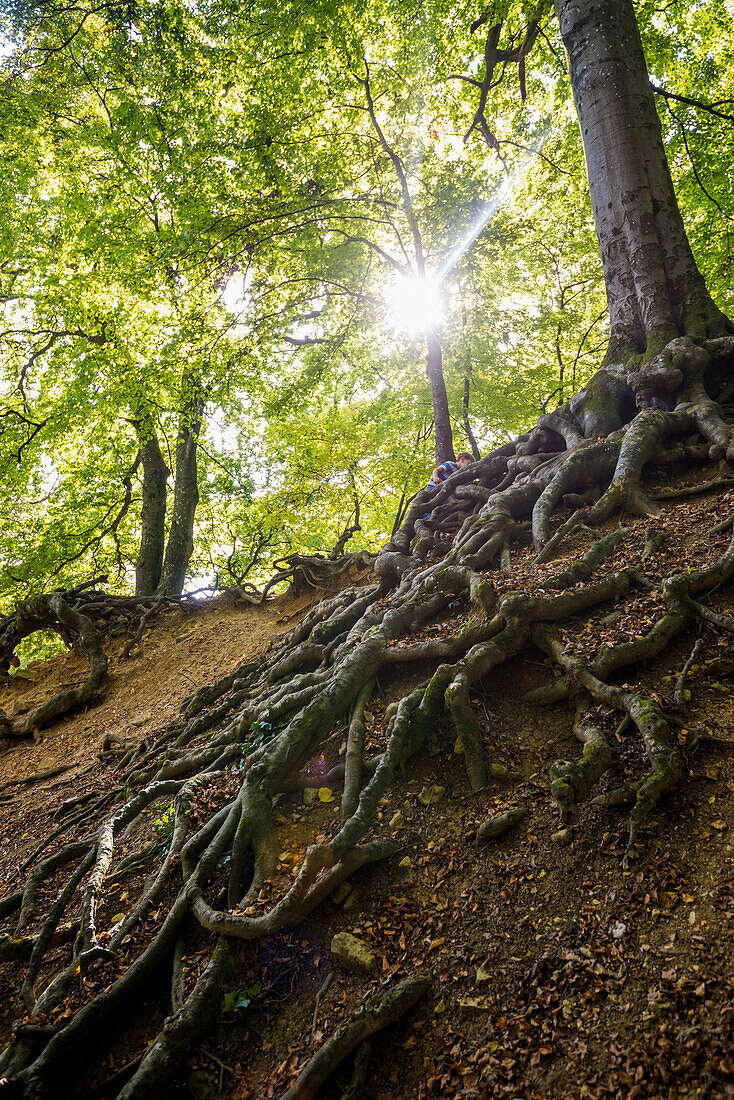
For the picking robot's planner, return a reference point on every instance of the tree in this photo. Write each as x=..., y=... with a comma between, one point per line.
x=660, y=396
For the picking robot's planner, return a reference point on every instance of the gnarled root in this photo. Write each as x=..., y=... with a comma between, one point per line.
x=572, y=783
x=375, y=1014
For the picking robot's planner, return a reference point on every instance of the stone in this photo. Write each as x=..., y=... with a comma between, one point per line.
x=431, y=794
x=397, y=820
x=353, y=954
x=310, y=795
x=341, y=893
x=562, y=837
x=474, y=1005
x=351, y=902
x=142, y=718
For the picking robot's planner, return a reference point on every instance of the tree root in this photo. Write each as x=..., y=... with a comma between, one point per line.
x=374, y=1015
x=572, y=783
x=256, y=732
x=681, y=682
x=497, y=826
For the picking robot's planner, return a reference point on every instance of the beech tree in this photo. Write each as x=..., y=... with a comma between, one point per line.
x=660, y=395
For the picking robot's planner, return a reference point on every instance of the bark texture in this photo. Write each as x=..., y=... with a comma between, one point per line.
x=654, y=288
x=153, y=510
x=180, y=544
x=441, y=418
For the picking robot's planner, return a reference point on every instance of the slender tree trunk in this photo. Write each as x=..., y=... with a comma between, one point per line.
x=180, y=544
x=654, y=288
x=153, y=511
x=465, y=414
x=441, y=418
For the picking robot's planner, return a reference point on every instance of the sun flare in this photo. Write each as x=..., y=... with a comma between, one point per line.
x=416, y=304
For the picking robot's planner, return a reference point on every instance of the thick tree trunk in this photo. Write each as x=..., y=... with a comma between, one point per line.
x=180, y=544
x=153, y=511
x=441, y=418
x=654, y=288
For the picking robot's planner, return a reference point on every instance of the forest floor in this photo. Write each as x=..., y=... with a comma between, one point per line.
x=555, y=972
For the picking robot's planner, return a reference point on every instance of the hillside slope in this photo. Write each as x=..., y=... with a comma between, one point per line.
x=555, y=969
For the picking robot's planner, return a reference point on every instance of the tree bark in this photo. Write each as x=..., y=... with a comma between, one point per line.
x=654, y=288
x=441, y=418
x=180, y=544
x=153, y=510
x=465, y=415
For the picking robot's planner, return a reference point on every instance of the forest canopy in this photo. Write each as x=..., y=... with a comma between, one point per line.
x=212, y=215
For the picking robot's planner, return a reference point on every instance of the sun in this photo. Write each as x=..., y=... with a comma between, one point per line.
x=416, y=304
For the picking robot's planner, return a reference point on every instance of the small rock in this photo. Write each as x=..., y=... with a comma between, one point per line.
x=310, y=795
x=117, y=918
x=397, y=820
x=618, y=929
x=353, y=954
x=562, y=838
x=458, y=746
x=341, y=893
x=406, y=861
x=430, y=795
x=142, y=718
x=474, y=1004
x=499, y=771
x=351, y=902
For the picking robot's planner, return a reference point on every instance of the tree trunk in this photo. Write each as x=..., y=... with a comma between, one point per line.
x=654, y=288
x=441, y=418
x=153, y=511
x=180, y=544
x=465, y=415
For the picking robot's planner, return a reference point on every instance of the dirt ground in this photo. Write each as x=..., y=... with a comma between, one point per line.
x=555, y=972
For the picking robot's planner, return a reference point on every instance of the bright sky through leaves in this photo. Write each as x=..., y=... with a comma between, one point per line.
x=416, y=304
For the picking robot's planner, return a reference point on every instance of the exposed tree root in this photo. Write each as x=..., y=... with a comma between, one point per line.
x=375, y=1014
x=241, y=744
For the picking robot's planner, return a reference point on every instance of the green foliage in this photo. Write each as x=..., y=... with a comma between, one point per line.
x=164, y=823
x=160, y=158
x=241, y=998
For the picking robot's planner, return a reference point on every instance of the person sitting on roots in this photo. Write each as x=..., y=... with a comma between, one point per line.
x=447, y=468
